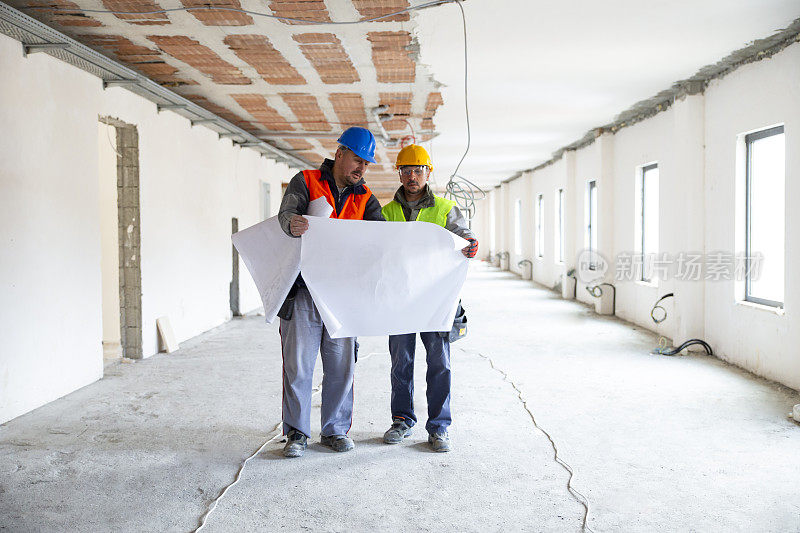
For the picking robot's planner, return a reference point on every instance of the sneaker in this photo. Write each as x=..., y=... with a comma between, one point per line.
x=339, y=443
x=296, y=443
x=397, y=432
x=439, y=442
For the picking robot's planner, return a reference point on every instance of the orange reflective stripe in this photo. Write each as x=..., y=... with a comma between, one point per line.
x=354, y=206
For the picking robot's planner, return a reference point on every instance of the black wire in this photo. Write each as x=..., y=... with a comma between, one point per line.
x=690, y=342
x=656, y=306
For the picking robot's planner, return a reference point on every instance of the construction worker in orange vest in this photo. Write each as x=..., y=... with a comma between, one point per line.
x=341, y=182
x=415, y=201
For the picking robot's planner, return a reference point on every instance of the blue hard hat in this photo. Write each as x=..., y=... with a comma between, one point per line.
x=360, y=141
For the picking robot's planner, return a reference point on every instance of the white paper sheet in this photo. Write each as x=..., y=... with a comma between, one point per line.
x=273, y=258
x=382, y=278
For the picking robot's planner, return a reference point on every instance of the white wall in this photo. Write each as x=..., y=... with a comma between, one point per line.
x=191, y=184
x=109, y=236
x=694, y=143
x=754, y=97
x=647, y=142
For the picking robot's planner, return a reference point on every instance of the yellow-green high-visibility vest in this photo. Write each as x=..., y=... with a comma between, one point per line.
x=393, y=211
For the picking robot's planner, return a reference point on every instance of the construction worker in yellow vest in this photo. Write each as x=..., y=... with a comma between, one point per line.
x=415, y=201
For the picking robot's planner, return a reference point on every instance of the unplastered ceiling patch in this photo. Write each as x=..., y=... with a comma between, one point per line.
x=349, y=108
x=146, y=7
x=202, y=58
x=258, y=52
x=370, y=9
x=256, y=105
x=392, y=61
x=431, y=105
x=300, y=9
x=221, y=17
x=146, y=60
x=325, y=52
x=307, y=110
x=57, y=19
x=270, y=76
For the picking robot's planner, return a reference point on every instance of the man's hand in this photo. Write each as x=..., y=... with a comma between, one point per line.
x=472, y=249
x=298, y=225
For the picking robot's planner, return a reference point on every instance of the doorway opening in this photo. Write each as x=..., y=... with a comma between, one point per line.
x=118, y=149
x=234, y=288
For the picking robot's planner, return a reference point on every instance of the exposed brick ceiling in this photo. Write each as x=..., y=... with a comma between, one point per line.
x=270, y=76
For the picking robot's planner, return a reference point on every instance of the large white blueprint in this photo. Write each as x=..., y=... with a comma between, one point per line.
x=382, y=278
x=273, y=258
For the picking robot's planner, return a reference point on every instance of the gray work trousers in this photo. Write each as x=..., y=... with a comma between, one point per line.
x=302, y=338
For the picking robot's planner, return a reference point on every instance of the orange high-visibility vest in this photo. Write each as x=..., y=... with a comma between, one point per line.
x=354, y=206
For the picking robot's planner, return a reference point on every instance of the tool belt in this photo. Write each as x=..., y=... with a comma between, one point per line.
x=459, y=329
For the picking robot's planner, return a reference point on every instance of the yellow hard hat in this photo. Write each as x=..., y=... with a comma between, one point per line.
x=413, y=154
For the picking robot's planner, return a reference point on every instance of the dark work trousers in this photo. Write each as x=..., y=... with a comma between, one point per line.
x=437, y=348
x=302, y=338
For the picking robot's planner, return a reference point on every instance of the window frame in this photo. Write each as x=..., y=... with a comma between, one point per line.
x=642, y=218
x=591, y=195
x=540, y=225
x=749, y=139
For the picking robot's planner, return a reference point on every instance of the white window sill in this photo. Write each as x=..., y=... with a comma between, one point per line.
x=761, y=307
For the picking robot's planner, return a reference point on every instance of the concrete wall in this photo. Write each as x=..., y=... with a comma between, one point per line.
x=191, y=184
x=762, y=94
x=109, y=235
x=694, y=143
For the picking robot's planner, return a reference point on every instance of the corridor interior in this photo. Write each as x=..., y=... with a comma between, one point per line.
x=656, y=443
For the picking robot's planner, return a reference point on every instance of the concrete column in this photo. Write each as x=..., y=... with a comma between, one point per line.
x=605, y=203
x=129, y=239
x=505, y=225
x=572, y=211
x=682, y=211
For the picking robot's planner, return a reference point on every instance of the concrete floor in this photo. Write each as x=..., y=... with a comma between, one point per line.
x=656, y=443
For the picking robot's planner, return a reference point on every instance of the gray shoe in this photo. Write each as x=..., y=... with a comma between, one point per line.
x=397, y=432
x=439, y=442
x=296, y=444
x=339, y=443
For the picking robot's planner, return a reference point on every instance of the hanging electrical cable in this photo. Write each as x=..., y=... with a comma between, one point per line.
x=464, y=193
x=458, y=188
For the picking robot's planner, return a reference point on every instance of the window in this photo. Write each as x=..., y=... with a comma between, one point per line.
x=518, y=227
x=648, y=218
x=764, y=224
x=540, y=226
x=560, y=225
x=265, y=201
x=591, y=218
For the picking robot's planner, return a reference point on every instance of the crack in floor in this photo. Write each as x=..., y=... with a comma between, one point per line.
x=577, y=496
